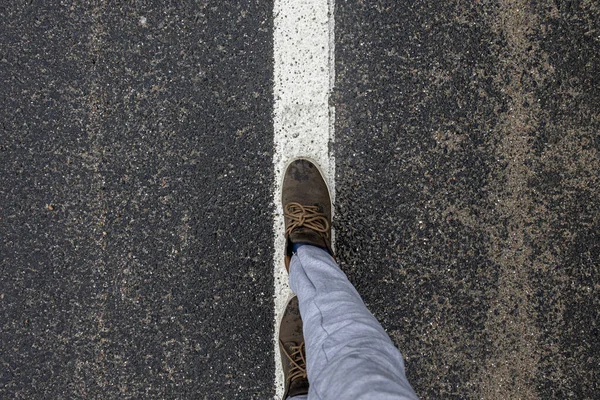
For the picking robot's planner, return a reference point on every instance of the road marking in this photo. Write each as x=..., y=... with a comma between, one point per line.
x=303, y=120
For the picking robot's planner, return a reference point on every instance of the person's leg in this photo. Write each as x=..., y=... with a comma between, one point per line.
x=349, y=355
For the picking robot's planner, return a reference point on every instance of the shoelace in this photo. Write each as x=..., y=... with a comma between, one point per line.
x=298, y=360
x=306, y=216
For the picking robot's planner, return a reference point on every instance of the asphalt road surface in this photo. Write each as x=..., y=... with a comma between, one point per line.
x=136, y=180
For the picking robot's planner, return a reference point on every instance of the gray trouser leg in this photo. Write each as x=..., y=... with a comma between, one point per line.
x=349, y=355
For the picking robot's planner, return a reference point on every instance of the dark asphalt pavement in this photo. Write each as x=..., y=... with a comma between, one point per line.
x=136, y=147
x=468, y=196
x=136, y=231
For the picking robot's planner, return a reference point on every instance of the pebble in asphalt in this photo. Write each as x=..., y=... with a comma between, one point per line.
x=135, y=209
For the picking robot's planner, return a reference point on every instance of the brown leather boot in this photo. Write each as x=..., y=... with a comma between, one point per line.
x=293, y=355
x=306, y=206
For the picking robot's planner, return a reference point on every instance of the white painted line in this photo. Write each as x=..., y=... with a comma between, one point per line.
x=303, y=120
